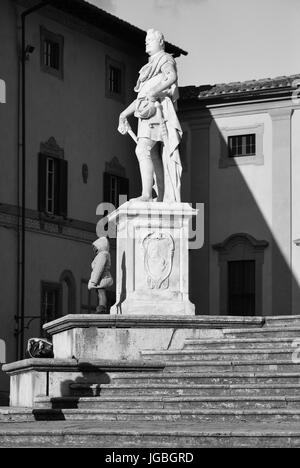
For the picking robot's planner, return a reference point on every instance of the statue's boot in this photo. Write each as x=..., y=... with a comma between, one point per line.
x=159, y=178
x=101, y=310
x=147, y=170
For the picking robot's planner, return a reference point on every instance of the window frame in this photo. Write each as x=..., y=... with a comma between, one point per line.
x=226, y=161
x=60, y=185
x=112, y=63
x=50, y=286
x=46, y=35
x=237, y=154
x=108, y=177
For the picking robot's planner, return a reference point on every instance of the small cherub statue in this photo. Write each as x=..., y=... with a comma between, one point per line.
x=101, y=278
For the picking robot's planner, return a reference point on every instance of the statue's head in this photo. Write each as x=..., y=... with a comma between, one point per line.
x=155, y=42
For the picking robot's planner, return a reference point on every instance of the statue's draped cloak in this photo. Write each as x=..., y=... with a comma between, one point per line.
x=150, y=75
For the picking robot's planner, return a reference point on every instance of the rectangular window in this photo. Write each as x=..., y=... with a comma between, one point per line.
x=50, y=187
x=114, y=186
x=115, y=79
x=242, y=145
x=50, y=302
x=51, y=54
x=89, y=299
x=53, y=185
x=241, y=288
x=52, y=48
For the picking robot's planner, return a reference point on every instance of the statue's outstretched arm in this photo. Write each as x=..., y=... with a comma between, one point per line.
x=130, y=110
x=124, y=126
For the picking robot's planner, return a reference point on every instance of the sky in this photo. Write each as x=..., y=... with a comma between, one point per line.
x=227, y=40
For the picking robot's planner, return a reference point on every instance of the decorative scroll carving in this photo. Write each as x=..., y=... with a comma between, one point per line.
x=158, y=259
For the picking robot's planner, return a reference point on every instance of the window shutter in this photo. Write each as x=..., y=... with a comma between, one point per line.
x=63, y=188
x=106, y=187
x=42, y=174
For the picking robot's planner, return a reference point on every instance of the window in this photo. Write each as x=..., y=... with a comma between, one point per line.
x=115, y=79
x=52, y=185
x=242, y=145
x=50, y=302
x=241, y=287
x=52, y=53
x=114, y=186
x=89, y=299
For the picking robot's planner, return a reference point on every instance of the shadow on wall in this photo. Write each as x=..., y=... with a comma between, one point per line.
x=244, y=267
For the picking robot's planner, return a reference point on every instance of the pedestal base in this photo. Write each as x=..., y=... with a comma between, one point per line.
x=153, y=258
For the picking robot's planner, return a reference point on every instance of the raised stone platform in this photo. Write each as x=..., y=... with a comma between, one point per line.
x=31, y=378
x=126, y=337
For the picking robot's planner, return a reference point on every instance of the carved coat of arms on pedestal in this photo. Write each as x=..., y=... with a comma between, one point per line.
x=158, y=259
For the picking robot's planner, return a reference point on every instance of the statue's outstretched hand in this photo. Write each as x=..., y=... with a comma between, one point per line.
x=124, y=126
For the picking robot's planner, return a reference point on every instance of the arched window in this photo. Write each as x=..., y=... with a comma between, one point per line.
x=241, y=259
x=68, y=288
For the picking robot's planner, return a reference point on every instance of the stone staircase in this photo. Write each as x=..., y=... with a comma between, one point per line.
x=239, y=389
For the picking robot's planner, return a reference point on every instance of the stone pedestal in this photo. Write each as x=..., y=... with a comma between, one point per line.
x=153, y=258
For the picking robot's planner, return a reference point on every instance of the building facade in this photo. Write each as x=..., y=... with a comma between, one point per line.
x=243, y=157
x=81, y=65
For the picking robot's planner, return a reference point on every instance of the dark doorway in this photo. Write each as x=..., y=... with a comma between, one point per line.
x=241, y=288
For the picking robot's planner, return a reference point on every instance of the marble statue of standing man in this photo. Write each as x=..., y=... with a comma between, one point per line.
x=159, y=131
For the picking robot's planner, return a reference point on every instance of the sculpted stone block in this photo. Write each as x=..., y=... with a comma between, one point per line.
x=153, y=258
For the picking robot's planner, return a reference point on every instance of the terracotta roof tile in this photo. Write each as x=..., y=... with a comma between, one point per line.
x=236, y=88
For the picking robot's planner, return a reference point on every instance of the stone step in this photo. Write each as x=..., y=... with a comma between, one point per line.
x=274, y=415
x=264, y=332
x=172, y=403
x=220, y=355
x=208, y=378
x=108, y=390
x=234, y=366
x=148, y=434
x=283, y=321
x=238, y=343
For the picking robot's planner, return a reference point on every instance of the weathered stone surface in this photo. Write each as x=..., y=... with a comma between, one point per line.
x=153, y=258
x=94, y=336
x=43, y=377
x=150, y=434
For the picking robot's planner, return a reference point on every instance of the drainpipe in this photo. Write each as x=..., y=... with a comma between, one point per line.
x=24, y=15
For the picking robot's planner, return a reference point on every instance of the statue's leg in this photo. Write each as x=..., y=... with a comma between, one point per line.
x=158, y=172
x=143, y=152
x=101, y=309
